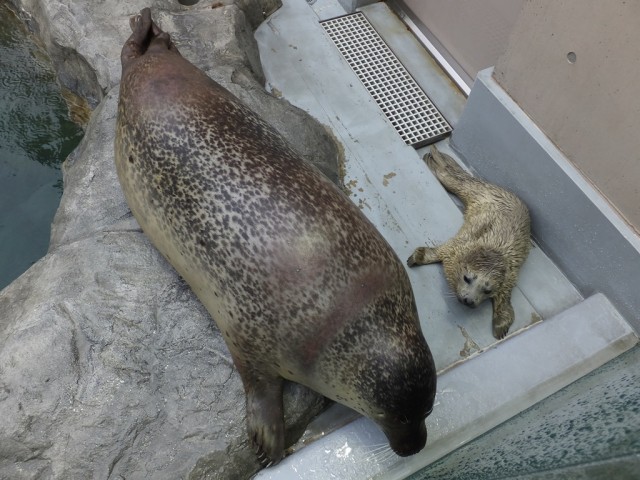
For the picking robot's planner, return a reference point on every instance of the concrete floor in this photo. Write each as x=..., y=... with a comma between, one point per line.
x=395, y=189
x=389, y=179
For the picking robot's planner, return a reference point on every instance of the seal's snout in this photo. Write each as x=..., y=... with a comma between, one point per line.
x=467, y=301
x=408, y=440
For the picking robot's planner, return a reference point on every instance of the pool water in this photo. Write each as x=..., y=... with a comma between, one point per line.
x=36, y=135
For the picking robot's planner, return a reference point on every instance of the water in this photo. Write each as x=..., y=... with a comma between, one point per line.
x=36, y=135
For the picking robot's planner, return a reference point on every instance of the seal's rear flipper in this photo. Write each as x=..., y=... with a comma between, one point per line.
x=136, y=45
x=145, y=36
x=451, y=175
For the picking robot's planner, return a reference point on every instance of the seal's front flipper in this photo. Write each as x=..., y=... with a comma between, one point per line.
x=503, y=316
x=423, y=256
x=265, y=419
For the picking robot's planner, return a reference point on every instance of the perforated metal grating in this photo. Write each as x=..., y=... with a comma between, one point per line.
x=401, y=99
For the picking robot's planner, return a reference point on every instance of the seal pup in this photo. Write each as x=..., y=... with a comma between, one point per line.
x=300, y=283
x=483, y=259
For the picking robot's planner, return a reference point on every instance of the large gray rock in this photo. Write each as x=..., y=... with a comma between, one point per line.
x=109, y=366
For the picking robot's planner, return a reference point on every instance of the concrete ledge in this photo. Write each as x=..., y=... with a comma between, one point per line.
x=572, y=222
x=350, y=6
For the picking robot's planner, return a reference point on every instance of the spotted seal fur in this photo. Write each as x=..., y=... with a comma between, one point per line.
x=483, y=259
x=300, y=283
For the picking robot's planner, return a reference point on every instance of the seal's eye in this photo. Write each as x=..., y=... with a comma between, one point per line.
x=487, y=291
x=467, y=279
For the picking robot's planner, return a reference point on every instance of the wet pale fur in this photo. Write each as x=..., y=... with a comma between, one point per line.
x=483, y=259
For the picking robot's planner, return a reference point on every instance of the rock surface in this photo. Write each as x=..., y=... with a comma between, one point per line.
x=109, y=366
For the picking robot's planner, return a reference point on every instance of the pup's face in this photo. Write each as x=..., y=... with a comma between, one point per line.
x=474, y=287
x=480, y=275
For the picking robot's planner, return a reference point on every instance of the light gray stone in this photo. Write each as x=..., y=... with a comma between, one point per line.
x=109, y=366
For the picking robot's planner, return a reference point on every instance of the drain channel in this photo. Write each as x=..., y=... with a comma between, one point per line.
x=393, y=88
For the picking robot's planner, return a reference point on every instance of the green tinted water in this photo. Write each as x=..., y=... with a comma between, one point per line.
x=36, y=135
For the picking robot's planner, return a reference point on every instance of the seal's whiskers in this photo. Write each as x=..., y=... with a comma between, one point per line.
x=380, y=454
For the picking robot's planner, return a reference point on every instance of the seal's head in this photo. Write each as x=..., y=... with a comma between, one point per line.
x=407, y=405
x=478, y=275
x=407, y=395
x=393, y=382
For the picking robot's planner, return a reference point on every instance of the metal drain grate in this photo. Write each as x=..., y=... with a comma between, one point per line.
x=401, y=99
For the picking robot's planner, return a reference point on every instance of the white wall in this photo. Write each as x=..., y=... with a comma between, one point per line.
x=590, y=108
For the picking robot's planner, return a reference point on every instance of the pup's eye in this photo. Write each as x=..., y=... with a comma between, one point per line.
x=487, y=291
x=467, y=279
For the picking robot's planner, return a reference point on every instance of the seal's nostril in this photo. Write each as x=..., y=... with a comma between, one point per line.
x=188, y=3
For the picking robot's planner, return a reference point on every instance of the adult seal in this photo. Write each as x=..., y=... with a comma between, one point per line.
x=301, y=285
x=483, y=259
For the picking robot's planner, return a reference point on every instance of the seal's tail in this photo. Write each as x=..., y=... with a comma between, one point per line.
x=451, y=175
